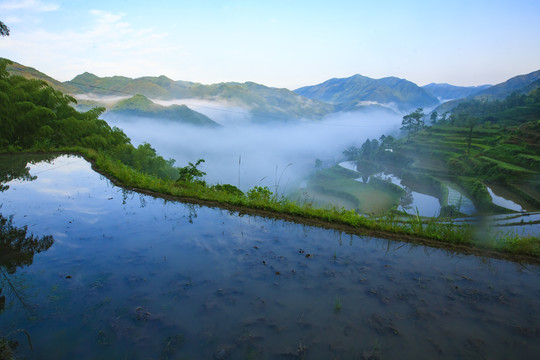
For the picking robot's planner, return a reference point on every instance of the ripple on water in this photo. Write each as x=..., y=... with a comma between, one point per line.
x=153, y=279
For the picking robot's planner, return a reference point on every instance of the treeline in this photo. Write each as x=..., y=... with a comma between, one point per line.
x=34, y=116
x=514, y=110
x=481, y=142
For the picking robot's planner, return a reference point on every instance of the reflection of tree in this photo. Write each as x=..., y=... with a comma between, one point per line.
x=14, y=167
x=366, y=169
x=406, y=200
x=192, y=213
x=17, y=249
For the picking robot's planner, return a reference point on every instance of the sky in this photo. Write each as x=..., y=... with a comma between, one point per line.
x=278, y=43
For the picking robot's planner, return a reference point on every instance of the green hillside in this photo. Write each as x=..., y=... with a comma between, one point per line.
x=451, y=92
x=264, y=103
x=521, y=84
x=482, y=144
x=14, y=68
x=141, y=106
x=159, y=87
x=404, y=94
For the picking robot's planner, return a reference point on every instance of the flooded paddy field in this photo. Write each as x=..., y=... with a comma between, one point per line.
x=131, y=276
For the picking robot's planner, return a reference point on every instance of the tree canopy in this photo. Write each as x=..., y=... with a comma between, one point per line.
x=413, y=122
x=4, y=30
x=35, y=116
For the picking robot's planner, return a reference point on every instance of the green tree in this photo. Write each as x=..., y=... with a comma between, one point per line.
x=352, y=153
x=386, y=142
x=413, y=122
x=190, y=173
x=470, y=122
x=434, y=116
x=366, y=149
x=444, y=118
x=4, y=30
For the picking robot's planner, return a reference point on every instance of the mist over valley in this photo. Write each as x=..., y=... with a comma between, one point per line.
x=245, y=153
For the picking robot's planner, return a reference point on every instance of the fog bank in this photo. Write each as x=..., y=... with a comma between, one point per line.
x=245, y=154
x=221, y=111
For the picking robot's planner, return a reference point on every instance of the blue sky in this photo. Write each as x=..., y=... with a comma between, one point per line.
x=277, y=43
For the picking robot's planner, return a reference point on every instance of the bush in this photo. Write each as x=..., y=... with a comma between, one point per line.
x=190, y=173
x=230, y=189
x=259, y=193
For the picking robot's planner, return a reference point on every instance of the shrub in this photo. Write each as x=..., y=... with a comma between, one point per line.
x=259, y=193
x=230, y=189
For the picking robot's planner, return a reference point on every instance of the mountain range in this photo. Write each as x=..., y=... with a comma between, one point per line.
x=263, y=103
x=521, y=84
x=140, y=106
x=349, y=92
x=444, y=92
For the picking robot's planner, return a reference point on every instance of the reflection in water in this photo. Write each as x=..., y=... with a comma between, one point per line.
x=132, y=281
x=17, y=249
x=15, y=167
x=500, y=201
x=461, y=202
x=412, y=202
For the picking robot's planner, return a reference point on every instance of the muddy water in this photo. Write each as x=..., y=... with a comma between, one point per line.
x=131, y=276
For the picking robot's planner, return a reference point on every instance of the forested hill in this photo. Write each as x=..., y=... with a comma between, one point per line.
x=482, y=144
x=141, y=106
x=403, y=94
x=160, y=87
x=263, y=102
x=445, y=92
x=37, y=117
x=521, y=84
x=14, y=68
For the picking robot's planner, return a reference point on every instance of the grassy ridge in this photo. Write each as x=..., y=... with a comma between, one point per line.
x=405, y=228
x=476, y=158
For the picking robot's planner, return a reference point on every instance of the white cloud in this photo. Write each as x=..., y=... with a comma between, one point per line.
x=105, y=17
x=110, y=43
x=12, y=20
x=29, y=5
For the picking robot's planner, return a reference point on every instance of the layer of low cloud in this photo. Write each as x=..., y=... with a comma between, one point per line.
x=278, y=155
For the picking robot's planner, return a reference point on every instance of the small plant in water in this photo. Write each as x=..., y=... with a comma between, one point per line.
x=337, y=305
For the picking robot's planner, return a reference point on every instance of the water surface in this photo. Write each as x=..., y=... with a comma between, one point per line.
x=131, y=276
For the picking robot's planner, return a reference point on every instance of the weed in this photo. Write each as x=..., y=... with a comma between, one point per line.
x=338, y=305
